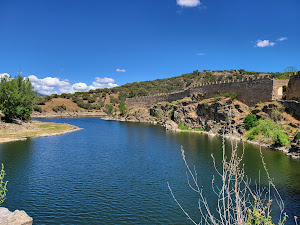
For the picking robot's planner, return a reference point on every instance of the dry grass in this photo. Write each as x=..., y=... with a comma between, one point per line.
x=13, y=132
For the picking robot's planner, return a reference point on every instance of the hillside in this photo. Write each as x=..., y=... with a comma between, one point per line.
x=99, y=99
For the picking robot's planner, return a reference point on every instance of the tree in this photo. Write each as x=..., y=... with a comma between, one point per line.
x=290, y=70
x=122, y=108
x=109, y=109
x=16, y=98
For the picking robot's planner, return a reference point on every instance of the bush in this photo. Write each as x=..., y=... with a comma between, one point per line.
x=250, y=121
x=91, y=99
x=297, y=137
x=183, y=127
x=109, y=109
x=2, y=186
x=122, y=108
x=59, y=108
x=268, y=129
x=37, y=108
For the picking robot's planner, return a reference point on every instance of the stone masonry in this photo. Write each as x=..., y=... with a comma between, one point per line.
x=249, y=91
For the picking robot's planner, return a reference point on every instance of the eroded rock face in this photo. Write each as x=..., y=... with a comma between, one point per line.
x=14, y=218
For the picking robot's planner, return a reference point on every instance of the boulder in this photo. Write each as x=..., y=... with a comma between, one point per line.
x=14, y=218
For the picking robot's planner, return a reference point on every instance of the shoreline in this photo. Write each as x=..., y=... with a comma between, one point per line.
x=35, y=129
x=104, y=116
x=285, y=150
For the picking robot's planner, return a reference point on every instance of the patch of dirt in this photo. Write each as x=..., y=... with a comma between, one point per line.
x=71, y=106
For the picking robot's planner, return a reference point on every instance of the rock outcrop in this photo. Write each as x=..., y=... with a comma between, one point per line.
x=14, y=218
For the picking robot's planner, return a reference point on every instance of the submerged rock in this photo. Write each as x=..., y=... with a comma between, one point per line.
x=14, y=218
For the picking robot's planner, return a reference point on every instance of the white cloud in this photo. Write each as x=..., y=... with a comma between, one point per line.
x=282, y=39
x=201, y=53
x=55, y=85
x=121, y=70
x=4, y=75
x=104, y=80
x=264, y=43
x=188, y=3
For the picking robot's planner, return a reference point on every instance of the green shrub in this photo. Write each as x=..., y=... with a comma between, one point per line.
x=37, y=108
x=267, y=128
x=2, y=186
x=175, y=102
x=233, y=95
x=91, y=99
x=122, y=108
x=297, y=137
x=201, y=129
x=59, y=108
x=183, y=127
x=250, y=121
x=109, y=109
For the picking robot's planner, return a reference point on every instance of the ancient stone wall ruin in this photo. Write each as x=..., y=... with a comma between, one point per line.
x=293, y=91
x=250, y=91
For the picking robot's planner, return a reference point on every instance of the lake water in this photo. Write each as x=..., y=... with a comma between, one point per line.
x=114, y=172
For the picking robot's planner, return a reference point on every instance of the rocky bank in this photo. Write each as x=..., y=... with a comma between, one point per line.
x=14, y=218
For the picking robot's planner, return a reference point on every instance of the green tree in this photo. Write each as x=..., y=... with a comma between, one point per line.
x=16, y=98
x=290, y=70
x=109, y=109
x=122, y=108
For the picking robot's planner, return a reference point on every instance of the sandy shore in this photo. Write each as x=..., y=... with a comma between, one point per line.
x=18, y=132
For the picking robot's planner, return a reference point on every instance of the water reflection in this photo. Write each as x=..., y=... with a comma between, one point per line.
x=119, y=172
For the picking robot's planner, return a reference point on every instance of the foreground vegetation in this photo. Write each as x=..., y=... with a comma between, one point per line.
x=2, y=186
x=238, y=202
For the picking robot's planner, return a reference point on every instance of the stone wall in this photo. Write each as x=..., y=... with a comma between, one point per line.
x=279, y=89
x=293, y=91
x=249, y=91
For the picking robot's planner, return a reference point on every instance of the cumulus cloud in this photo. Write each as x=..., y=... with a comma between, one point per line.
x=3, y=75
x=264, y=43
x=282, y=39
x=104, y=80
x=188, y=3
x=55, y=85
x=121, y=70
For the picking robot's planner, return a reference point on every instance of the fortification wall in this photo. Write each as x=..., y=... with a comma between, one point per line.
x=279, y=88
x=293, y=91
x=250, y=91
x=154, y=99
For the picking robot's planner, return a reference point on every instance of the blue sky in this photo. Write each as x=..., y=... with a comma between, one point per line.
x=78, y=45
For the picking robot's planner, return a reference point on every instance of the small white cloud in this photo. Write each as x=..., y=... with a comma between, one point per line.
x=282, y=39
x=4, y=75
x=201, y=53
x=264, y=43
x=104, y=80
x=121, y=70
x=188, y=3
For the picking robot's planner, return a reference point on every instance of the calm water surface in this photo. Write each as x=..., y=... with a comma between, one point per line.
x=116, y=173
